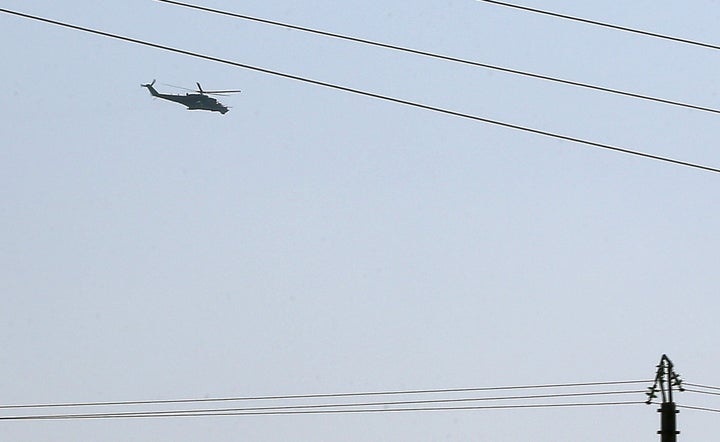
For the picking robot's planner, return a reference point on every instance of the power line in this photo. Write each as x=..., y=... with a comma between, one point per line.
x=691, y=407
x=409, y=402
x=356, y=405
x=323, y=395
x=390, y=403
x=602, y=24
x=443, y=57
x=709, y=387
x=371, y=94
x=692, y=390
x=212, y=413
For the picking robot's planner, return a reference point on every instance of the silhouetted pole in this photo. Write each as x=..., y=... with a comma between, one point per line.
x=665, y=380
x=668, y=422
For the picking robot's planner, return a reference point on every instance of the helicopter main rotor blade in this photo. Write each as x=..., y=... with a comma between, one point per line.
x=179, y=87
x=235, y=91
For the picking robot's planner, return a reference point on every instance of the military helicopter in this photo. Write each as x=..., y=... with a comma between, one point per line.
x=200, y=100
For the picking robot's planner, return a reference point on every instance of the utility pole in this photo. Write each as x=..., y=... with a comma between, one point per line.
x=665, y=380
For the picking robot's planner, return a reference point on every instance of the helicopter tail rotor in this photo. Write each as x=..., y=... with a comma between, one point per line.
x=150, y=88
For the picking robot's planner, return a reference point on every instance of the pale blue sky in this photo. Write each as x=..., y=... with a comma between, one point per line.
x=313, y=241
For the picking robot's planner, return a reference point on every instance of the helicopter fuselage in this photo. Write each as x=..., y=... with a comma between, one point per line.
x=192, y=101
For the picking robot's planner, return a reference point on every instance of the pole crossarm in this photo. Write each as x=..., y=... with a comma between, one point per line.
x=666, y=379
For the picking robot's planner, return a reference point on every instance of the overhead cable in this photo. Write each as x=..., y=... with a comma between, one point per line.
x=401, y=402
x=213, y=413
x=363, y=405
x=692, y=390
x=603, y=24
x=371, y=94
x=709, y=387
x=691, y=407
x=324, y=395
x=443, y=57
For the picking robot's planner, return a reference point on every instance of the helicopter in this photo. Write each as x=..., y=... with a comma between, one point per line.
x=200, y=100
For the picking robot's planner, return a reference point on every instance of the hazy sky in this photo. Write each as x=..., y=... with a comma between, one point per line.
x=315, y=241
